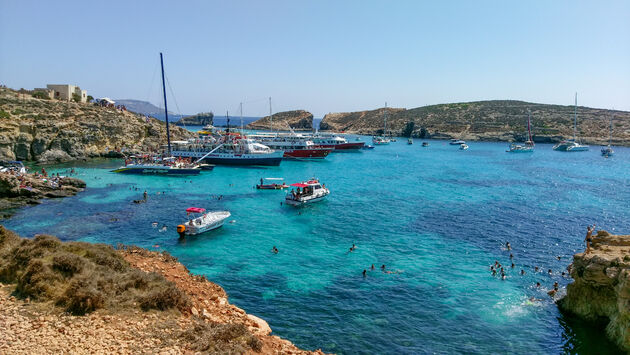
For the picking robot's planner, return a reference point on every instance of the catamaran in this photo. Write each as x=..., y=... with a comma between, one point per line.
x=307, y=192
x=572, y=145
x=528, y=147
x=382, y=140
x=165, y=165
x=607, y=151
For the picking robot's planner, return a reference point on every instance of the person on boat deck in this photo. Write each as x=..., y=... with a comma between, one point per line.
x=261, y=181
x=190, y=223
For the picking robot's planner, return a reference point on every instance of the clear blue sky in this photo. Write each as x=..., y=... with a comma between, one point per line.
x=323, y=56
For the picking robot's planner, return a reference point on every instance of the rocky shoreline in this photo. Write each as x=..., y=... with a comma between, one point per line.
x=601, y=287
x=19, y=190
x=160, y=307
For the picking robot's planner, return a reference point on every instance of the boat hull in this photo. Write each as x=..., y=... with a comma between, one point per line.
x=350, y=146
x=272, y=159
x=304, y=202
x=156, y=171
x=307, y=153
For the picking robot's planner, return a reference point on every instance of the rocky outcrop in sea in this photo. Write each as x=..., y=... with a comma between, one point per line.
x=200, y=119
x=297, y=119
x=601, y=287
x=54, y=131
x=498, y=120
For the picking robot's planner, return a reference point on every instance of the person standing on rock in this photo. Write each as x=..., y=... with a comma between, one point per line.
x=589, y=238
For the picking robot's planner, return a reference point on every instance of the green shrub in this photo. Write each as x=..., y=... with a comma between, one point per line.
x=216, y=338
x=4, y=114
x=41, y=95
x=18, y=111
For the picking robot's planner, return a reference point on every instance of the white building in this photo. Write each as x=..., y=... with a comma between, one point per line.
x=66, y=92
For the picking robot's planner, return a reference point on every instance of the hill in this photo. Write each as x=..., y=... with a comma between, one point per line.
x=200, y=119
x=296, y=119
x=148, y=109
x=497, y=120
x=51, y=130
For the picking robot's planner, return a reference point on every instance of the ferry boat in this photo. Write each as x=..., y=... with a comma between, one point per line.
x=572, y=145
x=272, y=184
x=201, y=222
x=334, y=141
x=227, y=149
x=293, y=146
x=311, y=191
x=158, y=166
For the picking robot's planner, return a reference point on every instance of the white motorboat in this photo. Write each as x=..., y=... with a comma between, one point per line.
x=456, y=142
x=572, y=145
x=201, y=221
x=463, y=146
x=307, y=192
x=380, y=140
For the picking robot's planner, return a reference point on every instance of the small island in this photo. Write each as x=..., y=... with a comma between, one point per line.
x=200, y=119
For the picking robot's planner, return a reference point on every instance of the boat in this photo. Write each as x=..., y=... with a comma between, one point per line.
x=463, y=146
x=528, y=146
x=425, y=144
x=409, y=141
x=12, y=166
x=227, y=150
x=607, y=151
x=367, y=146
x=572, y=145
x=382, y=140
x=456, y=142
x=166, y=164
x=158, y=166
x=335, y=141
x=311, y=191
x=200, y=222
x=272, y=184
x=293, y=146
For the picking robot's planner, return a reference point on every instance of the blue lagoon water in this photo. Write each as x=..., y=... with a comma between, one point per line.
x=437, y=217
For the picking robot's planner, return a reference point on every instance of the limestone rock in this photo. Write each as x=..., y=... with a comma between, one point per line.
x=297, y=119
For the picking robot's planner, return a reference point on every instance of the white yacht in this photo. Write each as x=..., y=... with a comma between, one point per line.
x=528, y=146
x=200, y=222
x=307, y=192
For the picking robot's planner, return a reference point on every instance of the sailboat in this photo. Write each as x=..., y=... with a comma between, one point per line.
x=572, y=145
x=528, y=147
x=167, y=165
x=608, y=151
x=382, y=140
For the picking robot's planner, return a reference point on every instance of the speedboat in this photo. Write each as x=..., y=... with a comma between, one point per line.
x=409, y=141
x=272, y=184
x=425, y=144
x=367, y=146
x=456, y=142
x=463, y=146
x=200, y=222
x=307, y=192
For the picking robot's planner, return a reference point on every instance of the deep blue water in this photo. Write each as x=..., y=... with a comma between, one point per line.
x=436, y=216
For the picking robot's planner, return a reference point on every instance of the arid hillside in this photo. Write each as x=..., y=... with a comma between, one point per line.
x=297, y=119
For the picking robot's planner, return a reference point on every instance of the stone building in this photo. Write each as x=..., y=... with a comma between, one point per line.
x=65, y=92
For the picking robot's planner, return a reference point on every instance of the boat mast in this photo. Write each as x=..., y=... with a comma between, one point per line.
x=241, y=117
x=270, y=116
x=529, y=130
x=575, y=119
x=610, y=135
x=168, y=132
x=227, y=115
x=385, y=121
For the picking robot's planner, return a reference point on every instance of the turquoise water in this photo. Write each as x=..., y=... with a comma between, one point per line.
x=437, y=217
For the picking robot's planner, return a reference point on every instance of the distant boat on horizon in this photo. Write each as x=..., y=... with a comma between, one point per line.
x=528, y=147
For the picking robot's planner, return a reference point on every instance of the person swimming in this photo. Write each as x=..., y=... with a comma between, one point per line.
x=164, y=228
x=274, y=250
x=508, y=246
x=494, y=272
x=364, y=272
x=511, y=256
x=383, y=267
x=535, y=268
x=537, y=284
x=372, y=267
x=522, y=272
x=550, y=272
x=513, y=265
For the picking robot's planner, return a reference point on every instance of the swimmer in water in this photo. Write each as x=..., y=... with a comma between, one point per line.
x=558, y=257
x=372, y=267
x=537, y=284
x=383, y=267
x=550, y=272
x=513, y=265
x=522, y=272
x=494, y=272
x=535, y=268
x=508, y=246
x=145, y=194
x=511, y=256
x=274, y=250
x=163, y=229
x=364, y=272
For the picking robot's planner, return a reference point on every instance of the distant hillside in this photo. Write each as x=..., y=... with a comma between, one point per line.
x=297, y=119
x=498, y=120
x=51, y=130
x=200, y=119
x=147, y=108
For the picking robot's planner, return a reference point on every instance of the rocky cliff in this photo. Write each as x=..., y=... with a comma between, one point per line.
x=499, y=120
x=297, y=119
x=200, y=119
x=50, y=130
x=601, y=287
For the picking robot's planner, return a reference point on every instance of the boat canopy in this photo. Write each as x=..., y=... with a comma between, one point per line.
x=274, y=179
x=299, y=184
x=195, y=210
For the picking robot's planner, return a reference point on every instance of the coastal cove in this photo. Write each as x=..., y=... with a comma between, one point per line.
x=436, y=217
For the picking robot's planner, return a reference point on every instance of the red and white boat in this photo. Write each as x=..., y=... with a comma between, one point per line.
x=307, y=192
x=294, y=146
x=335, y=141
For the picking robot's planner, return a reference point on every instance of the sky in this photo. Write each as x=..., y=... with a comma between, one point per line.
x=322, y=56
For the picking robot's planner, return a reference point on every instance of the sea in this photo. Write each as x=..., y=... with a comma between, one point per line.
x=436, y=217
